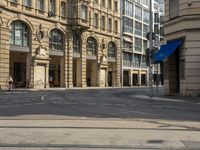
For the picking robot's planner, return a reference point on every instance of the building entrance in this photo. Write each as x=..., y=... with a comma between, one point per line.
x=135, y=79
x=126, y=78
x=76, y=72
x=91, y=74
x=18, y=68
x=55, y=71
x=110, y=79
x=174, y=79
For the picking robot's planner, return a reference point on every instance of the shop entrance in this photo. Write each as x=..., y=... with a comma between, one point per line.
x=174, y=79
x=135, y=79
x=126, y=78
x=55, y=72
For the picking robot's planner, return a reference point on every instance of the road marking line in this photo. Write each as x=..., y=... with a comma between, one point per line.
x=157, y=98
x=39, y=103
x=91, y=103
x=105, y=104
x=16, y=105
x=120, y=104
x=28, y=104
x=4, y=106
x=7, y=102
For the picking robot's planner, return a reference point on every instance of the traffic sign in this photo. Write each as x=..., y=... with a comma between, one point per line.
x=148, y=36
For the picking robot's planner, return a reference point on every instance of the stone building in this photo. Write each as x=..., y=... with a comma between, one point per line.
x=59, y=43
x=181, y=54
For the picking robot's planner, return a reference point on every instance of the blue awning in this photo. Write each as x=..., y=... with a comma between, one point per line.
x=166, y=50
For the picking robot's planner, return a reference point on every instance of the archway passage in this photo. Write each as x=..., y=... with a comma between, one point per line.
x=91, y=74
x=91, y=63
x=57, y=60
x=56, y=71
x=18, y=68
x=20, y=53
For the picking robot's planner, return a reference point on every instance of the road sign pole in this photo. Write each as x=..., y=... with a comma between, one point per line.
x=151, y=49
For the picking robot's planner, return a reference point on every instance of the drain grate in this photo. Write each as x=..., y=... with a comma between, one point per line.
x=155, y=141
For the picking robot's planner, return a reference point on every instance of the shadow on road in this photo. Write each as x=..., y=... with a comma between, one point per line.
x=95, y=103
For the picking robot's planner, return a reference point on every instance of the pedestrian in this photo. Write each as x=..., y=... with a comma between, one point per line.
x=10, y=83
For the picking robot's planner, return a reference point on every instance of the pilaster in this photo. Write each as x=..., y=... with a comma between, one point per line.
x=83, y=63
x=4, y=57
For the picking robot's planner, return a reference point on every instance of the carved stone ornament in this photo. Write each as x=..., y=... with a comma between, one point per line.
x=104, y=57
x=40, y=34
x=41, y=52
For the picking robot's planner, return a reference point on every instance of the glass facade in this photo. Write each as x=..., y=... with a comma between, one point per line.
x=128, y=25
x=129, y=9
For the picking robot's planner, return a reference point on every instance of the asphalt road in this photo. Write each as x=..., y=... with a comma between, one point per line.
x=160, y=123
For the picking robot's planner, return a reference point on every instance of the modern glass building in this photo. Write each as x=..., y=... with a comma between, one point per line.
x=135, y=25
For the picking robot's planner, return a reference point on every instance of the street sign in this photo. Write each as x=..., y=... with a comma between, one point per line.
x=148, y=36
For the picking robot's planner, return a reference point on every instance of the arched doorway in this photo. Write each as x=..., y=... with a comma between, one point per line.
x=91, y=73
x=20, y=53
x=56, y=54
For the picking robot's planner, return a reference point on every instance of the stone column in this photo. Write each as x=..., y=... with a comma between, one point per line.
x=47, y=75
x=66, y=64
x=28, y=69
x=70, y=59
x=62, y=72
x=118, y=67
x=83, y=62
x=78, y=72
x=4, y=57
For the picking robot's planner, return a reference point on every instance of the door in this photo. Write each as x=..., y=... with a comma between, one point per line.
x=19, y=74
x=174, y=79
x=109, y=78
x=126, y=78
x=135, y=79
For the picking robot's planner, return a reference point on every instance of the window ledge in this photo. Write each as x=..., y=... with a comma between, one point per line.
x=19, y=48
x=41, y=11
x=14, y=3
x=28, y=7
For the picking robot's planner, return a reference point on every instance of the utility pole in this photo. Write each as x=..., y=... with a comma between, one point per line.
x=150, y=50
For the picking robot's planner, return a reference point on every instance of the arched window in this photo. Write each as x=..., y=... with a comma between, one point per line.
x=111, y=49
x=91, y=46
x=76, y=43
x=19, y=34
x=56, y=40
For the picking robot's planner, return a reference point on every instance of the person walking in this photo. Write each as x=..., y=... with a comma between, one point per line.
x=10, y=83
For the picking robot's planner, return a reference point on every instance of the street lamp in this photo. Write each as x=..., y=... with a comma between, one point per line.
x=150, y=50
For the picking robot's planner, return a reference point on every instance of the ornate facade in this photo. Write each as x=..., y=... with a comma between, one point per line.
x=59, y=43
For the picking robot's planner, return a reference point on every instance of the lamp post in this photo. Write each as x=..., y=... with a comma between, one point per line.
x=150, y=50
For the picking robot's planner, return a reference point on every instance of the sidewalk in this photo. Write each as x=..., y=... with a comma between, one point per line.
x=99, y=134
